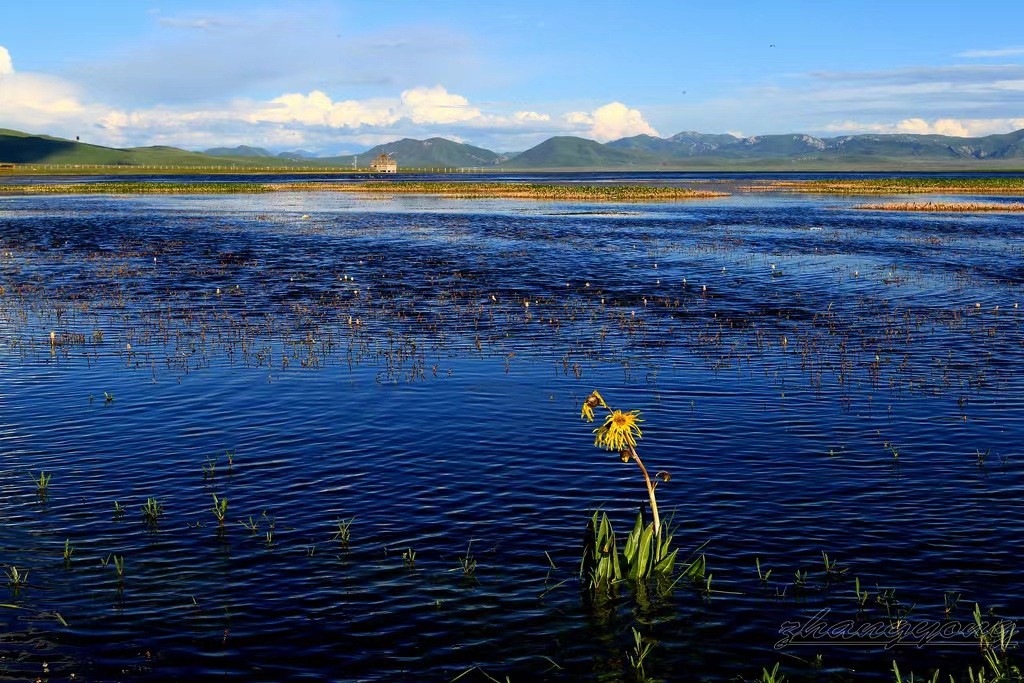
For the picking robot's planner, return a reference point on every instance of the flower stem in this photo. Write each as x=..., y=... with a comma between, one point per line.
x=650, y=492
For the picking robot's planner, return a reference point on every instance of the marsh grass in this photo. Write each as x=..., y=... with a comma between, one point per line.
x=882, y=186
x=444, y=189
x=946, y=207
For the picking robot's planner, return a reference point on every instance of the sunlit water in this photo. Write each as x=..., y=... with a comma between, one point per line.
x=417, y=365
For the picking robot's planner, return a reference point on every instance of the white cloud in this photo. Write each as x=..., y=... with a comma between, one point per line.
x=1006, y=52
x=422, y=105
x=6, y=65
x=611, y=122
x=969, y=128
x=37, y=102
x=529, y=116
x=318, y=109
x=436, y=105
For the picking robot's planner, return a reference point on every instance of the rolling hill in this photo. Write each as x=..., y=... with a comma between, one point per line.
x=573, y=152
x=431, y=153
x=25, y=148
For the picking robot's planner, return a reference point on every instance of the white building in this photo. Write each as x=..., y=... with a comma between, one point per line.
x=384, y=164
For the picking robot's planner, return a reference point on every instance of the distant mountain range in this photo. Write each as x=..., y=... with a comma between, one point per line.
x=686, y=150
x=247, y=151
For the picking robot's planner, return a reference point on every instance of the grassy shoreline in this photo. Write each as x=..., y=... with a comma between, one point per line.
x=444, y=189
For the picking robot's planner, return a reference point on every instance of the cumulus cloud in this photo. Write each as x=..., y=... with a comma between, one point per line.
x=6, y=65
x=967, y=128
x=314, y=119
x=436, y=105
x=318, y=109
x=36, y=101
x=423, y=105
x=611, y=122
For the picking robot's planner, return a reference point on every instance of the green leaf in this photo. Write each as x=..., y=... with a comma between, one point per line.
x=666, y=564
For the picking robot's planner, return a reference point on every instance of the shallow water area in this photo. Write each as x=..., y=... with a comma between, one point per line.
x=814, y=377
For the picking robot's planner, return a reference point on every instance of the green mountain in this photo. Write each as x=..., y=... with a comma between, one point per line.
x=297, y=155
x=572, y=152
x=794, y=150
x=432, y=153
x=240, y=151
x=25, y=148
x=688, y=149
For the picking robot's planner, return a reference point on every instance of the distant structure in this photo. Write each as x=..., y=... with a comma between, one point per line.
x=5, y=165
x=384, y=164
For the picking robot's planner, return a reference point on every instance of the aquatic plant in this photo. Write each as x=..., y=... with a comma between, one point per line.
x=42, y=482
x=210, y=468
x=641, y=650
x=252, y=526
x=862, y=596
x=220, y=510
x=343, y=533
x=832, y=569
x=647, y=551
x=15, y=577
x=467, y=563
x=950, y=599
x=620, y=432
x=772, y=676
x=152, y=511
x=119, y=566
x=69, y=550
x=409, y=558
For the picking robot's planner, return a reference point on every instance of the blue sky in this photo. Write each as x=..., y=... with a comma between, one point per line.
x=336, y=77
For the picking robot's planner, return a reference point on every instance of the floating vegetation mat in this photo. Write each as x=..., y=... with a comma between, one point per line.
x=945, y=207
x=478, y=190
x=894, y=186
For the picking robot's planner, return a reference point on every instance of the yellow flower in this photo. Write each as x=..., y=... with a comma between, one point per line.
x=593, y=401
x=619, y=431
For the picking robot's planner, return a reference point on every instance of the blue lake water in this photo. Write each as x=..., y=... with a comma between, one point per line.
x=417, y=365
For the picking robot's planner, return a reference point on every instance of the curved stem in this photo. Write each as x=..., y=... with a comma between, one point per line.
x=650, y=493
